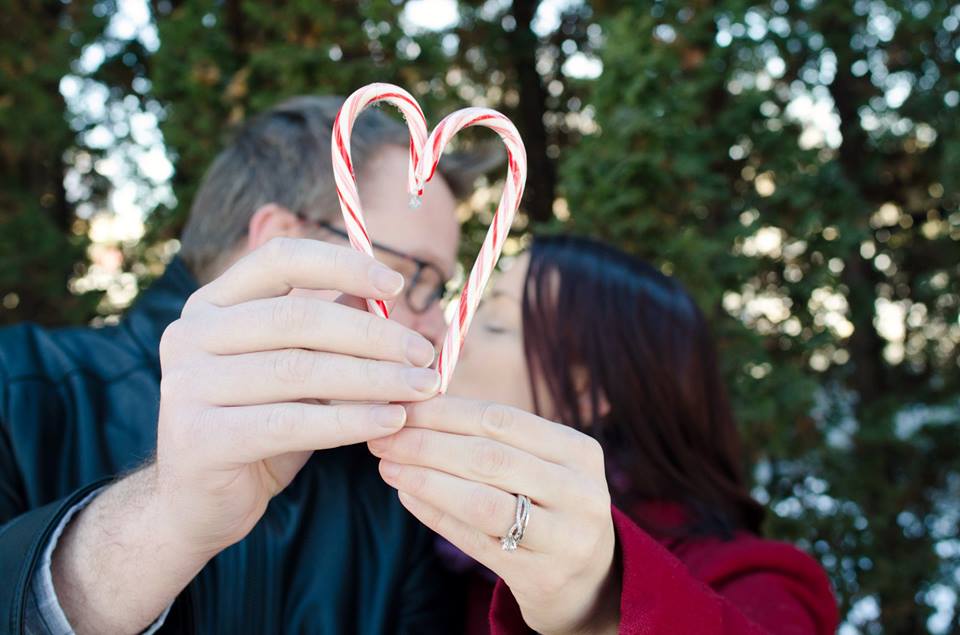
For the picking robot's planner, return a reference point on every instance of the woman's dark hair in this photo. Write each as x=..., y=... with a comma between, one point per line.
x=591, y=311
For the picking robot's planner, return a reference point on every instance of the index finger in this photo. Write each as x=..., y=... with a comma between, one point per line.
x=545, y=439
x=287, y=263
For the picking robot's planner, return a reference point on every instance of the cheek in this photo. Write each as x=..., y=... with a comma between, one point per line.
x=493, y=368
x=519, y=381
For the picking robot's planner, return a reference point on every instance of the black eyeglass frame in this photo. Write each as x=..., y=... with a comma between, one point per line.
x=436, y=295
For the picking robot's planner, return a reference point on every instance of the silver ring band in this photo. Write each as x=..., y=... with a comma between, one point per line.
x=511, y=541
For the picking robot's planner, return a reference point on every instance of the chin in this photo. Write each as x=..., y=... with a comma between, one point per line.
x=461, y=386
x=466, y=387
x=455, y=389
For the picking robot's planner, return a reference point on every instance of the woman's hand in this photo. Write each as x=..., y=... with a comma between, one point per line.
x=458, y=465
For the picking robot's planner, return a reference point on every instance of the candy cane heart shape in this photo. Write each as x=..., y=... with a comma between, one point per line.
x=499, y=228
x=425, y=154
x=343, y=172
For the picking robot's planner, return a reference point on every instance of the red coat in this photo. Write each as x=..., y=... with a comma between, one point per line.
x=706, y=587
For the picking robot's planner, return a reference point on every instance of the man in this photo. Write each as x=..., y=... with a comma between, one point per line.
x=236, y=525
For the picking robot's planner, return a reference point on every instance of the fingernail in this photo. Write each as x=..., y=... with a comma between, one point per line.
x=418, y=350
x=388, y=469
x=390, y=416
x=425, y=380
x=386, y=280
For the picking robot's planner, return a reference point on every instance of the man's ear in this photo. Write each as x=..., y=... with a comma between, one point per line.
x=581, y=383
x=270, y=221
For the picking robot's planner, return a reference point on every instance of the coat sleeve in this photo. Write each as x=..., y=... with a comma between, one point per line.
x=25, y=532
x=22, y=539
x=753, y=587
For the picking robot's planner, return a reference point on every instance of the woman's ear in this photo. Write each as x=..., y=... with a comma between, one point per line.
x=270, y=221
x=581, y=383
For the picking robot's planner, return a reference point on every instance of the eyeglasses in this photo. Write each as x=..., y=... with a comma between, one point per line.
x=424, y=287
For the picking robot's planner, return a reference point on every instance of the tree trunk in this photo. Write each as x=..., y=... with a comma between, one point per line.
x=542, y=172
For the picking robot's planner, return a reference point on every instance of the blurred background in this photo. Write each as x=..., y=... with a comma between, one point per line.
x=795, y=164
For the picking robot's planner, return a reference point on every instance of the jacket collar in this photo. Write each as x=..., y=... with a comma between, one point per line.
x=157, y=307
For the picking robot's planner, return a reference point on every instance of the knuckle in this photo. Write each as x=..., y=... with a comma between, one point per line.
x=170, y=341
x=496, y=418
x=282, y=252
x=415, y=480
x=373, y=375
x=349, y=425
x=293, y=366
x=416, y=441
x=283, y=421
x=576, y=496
x=374, y=331
x=338, y=260
x=435, y=517
x=289, y=314
x=487, y=506
x=490, y=460
x=188, y=430
x=194, y=302
x=591, y=450
x=276, y=248
x=591, y=500
x=203, y=425
x=341, y=422
x=386, y=445
x=585, y=535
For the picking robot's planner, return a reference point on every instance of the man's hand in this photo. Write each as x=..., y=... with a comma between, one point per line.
x=246, y=371
x=248, y=374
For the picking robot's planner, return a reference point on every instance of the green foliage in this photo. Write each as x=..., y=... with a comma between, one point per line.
x=254, y=56
x=38, y=248
x=828, y=264
x=794, y=247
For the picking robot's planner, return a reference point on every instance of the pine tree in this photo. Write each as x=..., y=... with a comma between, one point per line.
x=798, y=244
x=41, y=246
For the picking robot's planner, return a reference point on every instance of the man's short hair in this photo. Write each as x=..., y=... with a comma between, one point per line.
x=282, y=156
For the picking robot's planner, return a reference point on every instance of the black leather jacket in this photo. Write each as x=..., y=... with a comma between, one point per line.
x=334, y=553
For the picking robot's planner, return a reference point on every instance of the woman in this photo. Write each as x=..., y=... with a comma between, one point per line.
x=582, y=334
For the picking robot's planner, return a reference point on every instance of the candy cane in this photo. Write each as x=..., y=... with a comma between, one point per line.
x=425, y=154
x=344, y=175
x=499, y=228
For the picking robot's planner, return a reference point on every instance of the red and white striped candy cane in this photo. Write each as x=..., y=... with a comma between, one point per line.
x=499, y=228
x=343, y=172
